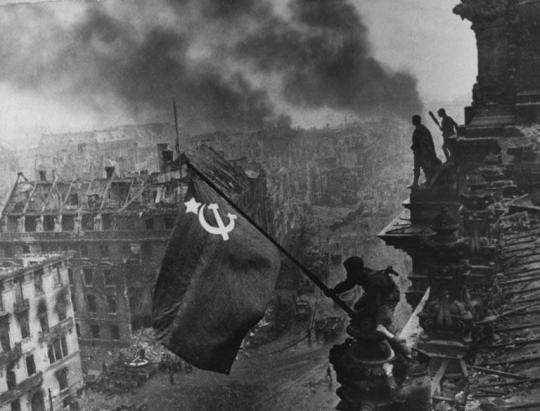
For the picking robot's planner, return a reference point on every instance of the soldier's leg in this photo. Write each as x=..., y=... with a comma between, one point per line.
x=416, y=173
x=385, y=317
x=446, y=151
x=397, y=344
x=428, y=174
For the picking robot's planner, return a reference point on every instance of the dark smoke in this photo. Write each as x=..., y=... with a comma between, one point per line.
x=335, y=14
x=126, y=54
x=324, y=59
x=104, y=56
x=150, y=72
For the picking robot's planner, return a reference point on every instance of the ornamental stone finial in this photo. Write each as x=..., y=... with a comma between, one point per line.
x=481, y=11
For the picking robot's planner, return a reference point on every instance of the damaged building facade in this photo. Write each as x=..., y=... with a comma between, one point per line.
x=85, y=155
x=40, y=364
x=9, y=165
x=334, y=182
x=473, y=232
x=353, y=166
x=117, y=228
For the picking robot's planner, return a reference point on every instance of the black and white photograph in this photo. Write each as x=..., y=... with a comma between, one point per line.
x=269, y=205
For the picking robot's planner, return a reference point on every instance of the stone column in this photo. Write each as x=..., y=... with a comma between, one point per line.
x=475, y=211
x=528, y=61
x=39, y=224
x=446, y=318
x=58, y=223
x=493, y=22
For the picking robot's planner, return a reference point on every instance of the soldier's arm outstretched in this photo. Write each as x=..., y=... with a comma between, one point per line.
x=343, y=286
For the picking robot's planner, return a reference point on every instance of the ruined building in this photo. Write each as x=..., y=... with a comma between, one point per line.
x=118, y=228
x=40, y=363
x=472, y=233
x=9, y=166
x=349, y=166
x=86, y=154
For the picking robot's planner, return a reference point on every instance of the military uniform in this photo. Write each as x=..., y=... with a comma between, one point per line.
x=424, y=154
x=448, y=127
x=381, y=294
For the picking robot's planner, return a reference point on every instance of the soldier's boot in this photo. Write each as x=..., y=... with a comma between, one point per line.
x=415, y=179
x=447, y=153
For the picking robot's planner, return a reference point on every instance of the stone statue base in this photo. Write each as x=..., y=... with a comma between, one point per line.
x=373, y=377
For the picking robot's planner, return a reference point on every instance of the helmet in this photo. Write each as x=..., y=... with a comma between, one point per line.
x=353, y=264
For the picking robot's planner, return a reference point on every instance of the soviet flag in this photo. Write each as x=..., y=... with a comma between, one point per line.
x=215, y=282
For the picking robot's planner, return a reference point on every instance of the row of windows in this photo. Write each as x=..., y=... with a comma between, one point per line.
x=38, y=279
x=168, y=221
x=89, y=277
x=24, y=327
x=61, y=309
x=96, y=331
x=38, y=284
x=37, y=401
x=111, y=306
x=86, y=222
x=101, y=250
x=22, y=304
x=126, y=250
x=57, y=350
x=11, y=378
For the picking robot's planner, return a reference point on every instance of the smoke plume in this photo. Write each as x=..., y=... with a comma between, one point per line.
x=229, y=63
x=323, y=56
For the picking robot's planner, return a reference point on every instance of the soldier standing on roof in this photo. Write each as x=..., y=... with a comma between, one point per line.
x=424, y=153
x=449, y=128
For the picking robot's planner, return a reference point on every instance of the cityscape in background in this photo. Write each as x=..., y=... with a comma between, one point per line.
x=108, y=200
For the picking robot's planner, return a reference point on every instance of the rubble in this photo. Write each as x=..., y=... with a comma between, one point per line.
x=145, y=339
x=125, y=374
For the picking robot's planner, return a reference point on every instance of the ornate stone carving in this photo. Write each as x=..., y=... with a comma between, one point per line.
x=446, y=314
x=493, y=22
x=481, y=11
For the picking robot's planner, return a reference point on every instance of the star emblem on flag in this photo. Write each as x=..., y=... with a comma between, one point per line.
x=192, y=206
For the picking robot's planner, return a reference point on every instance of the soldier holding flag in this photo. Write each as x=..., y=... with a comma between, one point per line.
x=216, y=279
x=380, y=298
x=215, y=282
x=381, y=294
x=449, y=128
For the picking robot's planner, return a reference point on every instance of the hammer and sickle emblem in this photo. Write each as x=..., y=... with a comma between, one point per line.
x=221, y=228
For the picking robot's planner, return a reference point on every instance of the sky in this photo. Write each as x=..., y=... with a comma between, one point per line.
x=428, y=39
x=421, y=37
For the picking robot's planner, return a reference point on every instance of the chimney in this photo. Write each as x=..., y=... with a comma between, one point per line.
x=165, y=157
x=42, y=175
x=109, y=171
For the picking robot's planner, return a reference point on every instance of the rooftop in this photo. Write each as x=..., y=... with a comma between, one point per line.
x=508, y=369
x=140, y=192
x=95, y=195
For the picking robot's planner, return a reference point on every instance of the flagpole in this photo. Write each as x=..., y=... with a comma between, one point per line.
x=326, y=290
x=177, y=145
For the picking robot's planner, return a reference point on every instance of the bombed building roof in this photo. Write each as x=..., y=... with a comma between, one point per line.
x=135, y=193
x=507, y=369
x=43, y=197
x=228, y=175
